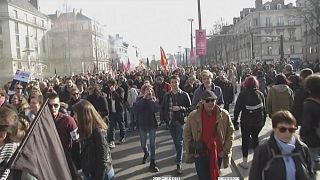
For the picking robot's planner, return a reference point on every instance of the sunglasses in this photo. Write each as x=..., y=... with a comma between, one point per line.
x=53, y=105
x=75, y=94
x=283, y=129
x=209, y=100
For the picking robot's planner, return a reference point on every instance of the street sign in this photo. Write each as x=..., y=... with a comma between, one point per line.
x=201, y=42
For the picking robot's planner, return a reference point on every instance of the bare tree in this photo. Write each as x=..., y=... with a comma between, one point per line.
x=311, y=15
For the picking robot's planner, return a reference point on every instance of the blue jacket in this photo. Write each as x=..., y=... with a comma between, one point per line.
x=198, y=93
x=146, y=109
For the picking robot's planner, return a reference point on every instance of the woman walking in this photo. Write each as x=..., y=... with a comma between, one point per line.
x=96, y=161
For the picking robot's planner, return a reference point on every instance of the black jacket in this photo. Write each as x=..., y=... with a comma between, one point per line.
x=299, y=96
x=227, y=90
x=96, y=158
x=244, y=104
x=182, y=100
x=118, y=96
x=311, y=123
x=273, y=167
x=100, y=104
x=146, y=109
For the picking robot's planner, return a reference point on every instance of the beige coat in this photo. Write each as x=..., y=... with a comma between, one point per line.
x=280, y=97
x=224, y=127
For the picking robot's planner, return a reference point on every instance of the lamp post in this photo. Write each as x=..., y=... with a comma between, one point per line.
x=191, y=20
x=191, y=38
x=179, y=55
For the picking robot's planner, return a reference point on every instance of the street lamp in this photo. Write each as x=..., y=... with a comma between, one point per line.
x=179, y=55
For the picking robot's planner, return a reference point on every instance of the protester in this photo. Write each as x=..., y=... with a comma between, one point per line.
x=175, y=107
x=207, y=84
x=310, y=124
x=208, y=136
x=96, y=161
x=280, y=95
x=146, y=107
x=251, y=104
x=283, y=155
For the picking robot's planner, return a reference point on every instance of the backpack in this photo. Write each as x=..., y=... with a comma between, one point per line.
x=255, y=107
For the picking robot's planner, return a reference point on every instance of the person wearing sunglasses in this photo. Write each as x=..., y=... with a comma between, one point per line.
x=208, y=136
x=283, y=155
x=75, y=97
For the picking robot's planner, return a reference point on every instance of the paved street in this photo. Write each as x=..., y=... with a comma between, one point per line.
x=127, y=158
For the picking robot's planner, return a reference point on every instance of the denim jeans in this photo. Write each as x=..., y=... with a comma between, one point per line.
x=176, y=131
x=152, y=140
x=109, y=175
x=202, y=164
x=116, y=117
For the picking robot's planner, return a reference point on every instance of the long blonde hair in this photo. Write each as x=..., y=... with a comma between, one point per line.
x=88, y=119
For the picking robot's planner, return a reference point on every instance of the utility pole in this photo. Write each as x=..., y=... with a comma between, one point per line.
x=252, y=48
x=96, y=46
x=281, y=48
x=68, y=41
x=186, y=49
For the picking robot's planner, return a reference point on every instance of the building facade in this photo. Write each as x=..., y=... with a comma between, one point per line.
x=23, y=40
x=311, y=35
x=79, y=44
x=255, y=35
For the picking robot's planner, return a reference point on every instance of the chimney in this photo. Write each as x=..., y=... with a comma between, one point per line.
x=35, y=4
x=259, y=4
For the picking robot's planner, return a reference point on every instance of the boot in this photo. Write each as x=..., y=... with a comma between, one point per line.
x=244, y=163
x=153, y=167
x=144, y=159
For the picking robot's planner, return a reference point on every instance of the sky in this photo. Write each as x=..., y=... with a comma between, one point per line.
x=149, y=24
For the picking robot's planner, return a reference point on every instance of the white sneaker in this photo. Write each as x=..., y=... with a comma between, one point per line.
x=244, y=165
x=112, y=145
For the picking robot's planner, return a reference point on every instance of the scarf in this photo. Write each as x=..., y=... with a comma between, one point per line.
x=286, y=149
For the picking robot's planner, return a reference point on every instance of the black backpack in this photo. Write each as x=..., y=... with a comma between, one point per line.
x=255, y=108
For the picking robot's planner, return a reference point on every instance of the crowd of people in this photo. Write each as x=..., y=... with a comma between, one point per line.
x=193, y=104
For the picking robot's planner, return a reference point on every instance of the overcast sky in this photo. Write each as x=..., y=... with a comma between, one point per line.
x=150, y=24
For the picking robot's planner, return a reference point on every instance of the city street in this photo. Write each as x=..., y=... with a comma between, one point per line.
x=127, y=158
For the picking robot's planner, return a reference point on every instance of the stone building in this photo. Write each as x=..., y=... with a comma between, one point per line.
x=23, y=41
x=255, y=35
x=79, y=44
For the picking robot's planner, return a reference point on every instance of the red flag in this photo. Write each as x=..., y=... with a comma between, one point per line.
x=163, y=60
x=123, y=67
x=128, y=65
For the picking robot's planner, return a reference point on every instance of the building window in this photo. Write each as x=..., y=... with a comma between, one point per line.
x=292, y=35
x=42, y=23
x=310, y=50
x=17, y=41
x=18, y=53
x=291, y=21
x=27, y=42
x=1, y=44
x=43, y=45
x=268, y=21
x=34, y=20
x=269, y=50
x=280, y=21
x=292, y=49
x=15, y=12
x=279, y=6
x=0, y=29
x=268, y=7
x=16, y=27
x=26, y=17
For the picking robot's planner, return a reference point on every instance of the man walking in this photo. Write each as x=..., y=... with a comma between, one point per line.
x=175, y=107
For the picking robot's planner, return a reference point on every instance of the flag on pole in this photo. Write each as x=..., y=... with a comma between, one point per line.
x=123, y=67
x=163, y=60
x=128, y=65
x=41, y=153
